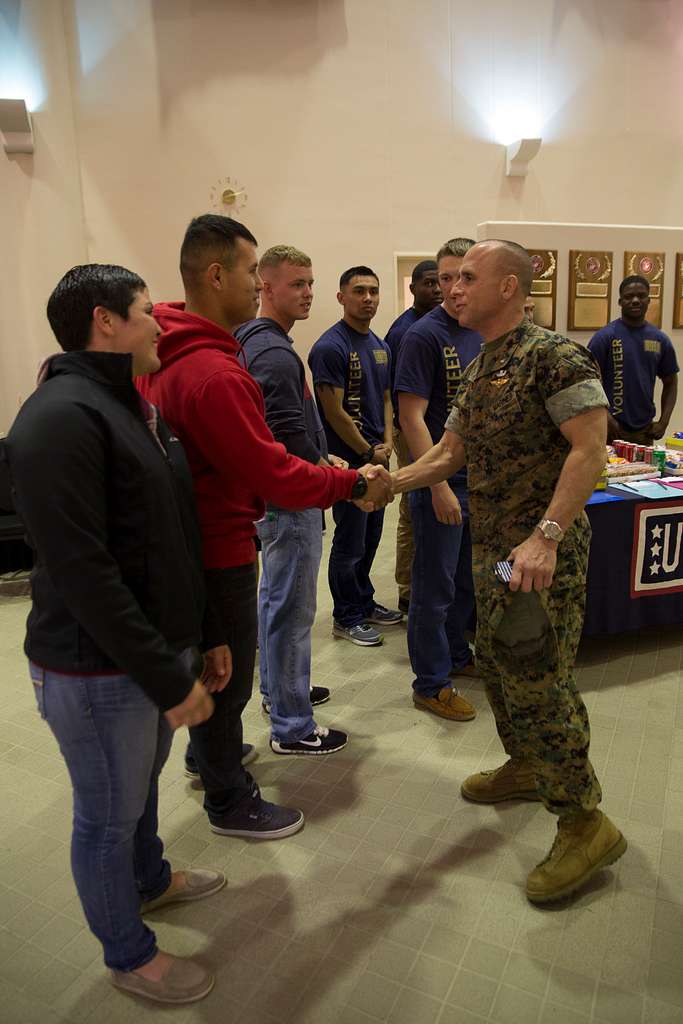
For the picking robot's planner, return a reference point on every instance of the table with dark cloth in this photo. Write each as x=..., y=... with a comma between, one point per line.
x=635, y=570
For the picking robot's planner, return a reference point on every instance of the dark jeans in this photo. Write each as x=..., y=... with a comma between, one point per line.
x=442, y=604
x=354, y=545
x=216, y=745
x=115, y=742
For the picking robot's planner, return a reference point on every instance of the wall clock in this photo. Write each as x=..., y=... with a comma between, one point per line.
x=228, y=197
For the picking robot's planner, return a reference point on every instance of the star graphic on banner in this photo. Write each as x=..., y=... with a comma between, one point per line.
x=654, y=568
x=656, y=532
x=655, y=549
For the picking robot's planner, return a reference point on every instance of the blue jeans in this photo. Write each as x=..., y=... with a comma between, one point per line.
x=291, y=549
x=115, y=742
x=354, y=545
x=441, y=597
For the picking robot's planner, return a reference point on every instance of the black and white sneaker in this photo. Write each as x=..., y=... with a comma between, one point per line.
x=256, y=818
x=319, y=695
x=320, y=741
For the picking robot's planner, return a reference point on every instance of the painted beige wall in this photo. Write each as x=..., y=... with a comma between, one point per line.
x=358, y=129
x=41, y=214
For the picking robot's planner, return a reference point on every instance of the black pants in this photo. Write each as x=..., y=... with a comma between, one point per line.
x=217, y=743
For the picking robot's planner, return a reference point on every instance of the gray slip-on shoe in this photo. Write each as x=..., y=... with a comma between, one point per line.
x=185, y=981
x=199, y=882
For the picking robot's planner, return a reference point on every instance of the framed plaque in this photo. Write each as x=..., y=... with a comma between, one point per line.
x=590, y=289
x=649, y=265
x=544, y=286
x=678, y=292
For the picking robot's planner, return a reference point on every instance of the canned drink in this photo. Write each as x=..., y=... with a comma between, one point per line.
x=648, y=456
x=659, y=458
x=630, y=452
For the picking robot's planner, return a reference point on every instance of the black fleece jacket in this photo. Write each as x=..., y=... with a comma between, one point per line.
x=109, y=511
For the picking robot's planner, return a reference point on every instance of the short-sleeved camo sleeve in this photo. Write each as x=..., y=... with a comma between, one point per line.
x=568, y=380
x=454, y=423
x=457, y=418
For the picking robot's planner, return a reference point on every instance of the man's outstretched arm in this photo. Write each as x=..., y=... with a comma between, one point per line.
x=437, y=464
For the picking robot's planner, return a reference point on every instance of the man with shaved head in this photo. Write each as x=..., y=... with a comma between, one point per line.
x=530, y=422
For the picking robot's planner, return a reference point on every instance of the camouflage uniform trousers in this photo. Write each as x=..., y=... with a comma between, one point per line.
x=405, y=545
x=539, y=713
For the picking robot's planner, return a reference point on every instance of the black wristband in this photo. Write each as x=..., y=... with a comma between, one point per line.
x=359, y=489
x=369, y=455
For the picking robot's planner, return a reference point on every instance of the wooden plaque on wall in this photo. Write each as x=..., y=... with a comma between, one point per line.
x=649, y=265
x=678, y=292
x=544, y=286
x=590, y=289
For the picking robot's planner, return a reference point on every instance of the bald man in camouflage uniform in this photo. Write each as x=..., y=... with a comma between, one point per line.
x=530, y=421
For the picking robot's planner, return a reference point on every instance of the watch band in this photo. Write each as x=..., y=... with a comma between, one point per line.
x=360, y=487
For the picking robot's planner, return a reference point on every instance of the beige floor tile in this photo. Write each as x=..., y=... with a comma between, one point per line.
x=612, y=1004
x=374, y=994
x=398, y=901
x=472, y=992
x=513, y=1005
x=555, y=1013
x=413, y=1007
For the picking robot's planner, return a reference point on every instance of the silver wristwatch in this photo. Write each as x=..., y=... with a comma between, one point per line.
x=551, y=530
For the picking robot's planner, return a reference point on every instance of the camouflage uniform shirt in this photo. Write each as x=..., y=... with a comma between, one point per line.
x=513, y=398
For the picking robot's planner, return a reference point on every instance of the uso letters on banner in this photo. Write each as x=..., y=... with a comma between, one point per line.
x=657, y=560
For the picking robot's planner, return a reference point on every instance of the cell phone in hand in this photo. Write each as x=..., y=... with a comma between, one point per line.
x=503, y=571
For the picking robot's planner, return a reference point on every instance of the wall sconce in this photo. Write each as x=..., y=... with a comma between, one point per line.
x=519, y=154
x=15, y=126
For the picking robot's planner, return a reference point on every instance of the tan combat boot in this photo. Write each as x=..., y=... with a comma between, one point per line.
x=512, y=781
x=584, y=844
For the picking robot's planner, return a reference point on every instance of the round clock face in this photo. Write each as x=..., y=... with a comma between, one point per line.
x=228, y=197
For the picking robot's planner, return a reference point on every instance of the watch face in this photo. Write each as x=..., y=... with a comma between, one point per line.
x=552, y=531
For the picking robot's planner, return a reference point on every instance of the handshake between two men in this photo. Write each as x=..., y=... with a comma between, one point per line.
x=380, y=488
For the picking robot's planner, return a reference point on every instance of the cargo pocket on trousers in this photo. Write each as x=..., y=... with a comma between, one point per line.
x=523, y=637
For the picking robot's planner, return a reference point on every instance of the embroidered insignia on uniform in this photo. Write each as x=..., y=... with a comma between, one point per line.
x=499, y=378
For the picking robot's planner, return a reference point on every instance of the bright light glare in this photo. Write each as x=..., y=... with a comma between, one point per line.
x=20, y=73
x=512, y=121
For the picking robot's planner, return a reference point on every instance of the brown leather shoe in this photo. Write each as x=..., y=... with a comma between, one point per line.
x=448, y=703
x=584, y=844
x=199, y=882
x=469, y=670
x=185, y=981
x=514, y=780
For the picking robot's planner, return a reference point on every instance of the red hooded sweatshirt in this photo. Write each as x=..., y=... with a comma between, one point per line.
x=216, y=408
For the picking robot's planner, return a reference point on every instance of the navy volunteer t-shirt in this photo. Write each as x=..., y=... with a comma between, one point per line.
x=431, y=359
x=361, y=365
x=393, y=338
x=630, y=359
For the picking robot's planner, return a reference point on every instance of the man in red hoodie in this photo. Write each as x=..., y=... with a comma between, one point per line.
x=217, y=410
